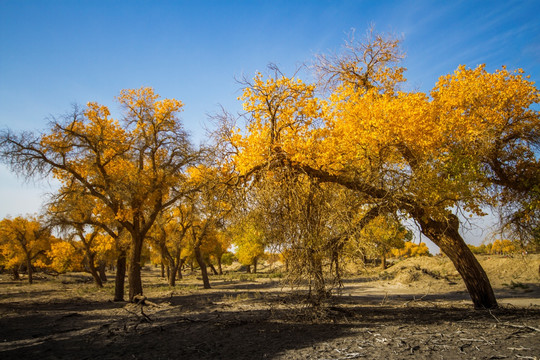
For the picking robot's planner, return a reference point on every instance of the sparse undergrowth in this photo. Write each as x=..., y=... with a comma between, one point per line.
x=256, y=316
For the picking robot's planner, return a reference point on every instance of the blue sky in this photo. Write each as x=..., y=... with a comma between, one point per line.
x=56, y=53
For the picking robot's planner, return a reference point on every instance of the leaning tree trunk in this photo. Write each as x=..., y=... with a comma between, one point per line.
x=120, y=276
x=134, y=273
x=471, y=271
x=181, y=263
x=202, y=265
x=446, y=236
x=213, y=268
x=94, y=271
x=179, y=271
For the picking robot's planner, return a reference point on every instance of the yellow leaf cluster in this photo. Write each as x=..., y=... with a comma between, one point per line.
x=432, y=147
x=410, y=249
x=22, y=239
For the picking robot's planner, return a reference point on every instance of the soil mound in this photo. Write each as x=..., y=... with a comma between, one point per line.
x=503, y=271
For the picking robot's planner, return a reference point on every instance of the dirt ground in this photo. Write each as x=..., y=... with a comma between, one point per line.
x=417, y=309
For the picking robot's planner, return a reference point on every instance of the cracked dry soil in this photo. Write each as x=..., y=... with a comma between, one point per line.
x=261, y=319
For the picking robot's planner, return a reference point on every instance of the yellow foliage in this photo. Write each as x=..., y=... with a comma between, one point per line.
x=503, y=247
x=65, y=257
x=428, y=147
x=23, y=241
x=248, y=241
x=283, y=110
x=411, y=250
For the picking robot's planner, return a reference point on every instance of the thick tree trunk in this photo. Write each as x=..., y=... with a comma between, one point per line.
x=181, y=264
x=30, y=270
x=15, y=274
x=120, y=276
x=94, y=271
x=447, y=237
x=248, y=269
x=471, y=271
x=202, y=265
x=318, y=277
x=101, y=270
x=134, y=273
x=255, y=265
x=172, y=275
x=95, y=276
x=162, y=270
x=383, y=261
x=220, y=268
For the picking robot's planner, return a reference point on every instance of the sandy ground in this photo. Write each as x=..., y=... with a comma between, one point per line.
x=417, y=309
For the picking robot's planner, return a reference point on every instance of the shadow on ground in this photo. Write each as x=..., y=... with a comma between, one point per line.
x=243, y=325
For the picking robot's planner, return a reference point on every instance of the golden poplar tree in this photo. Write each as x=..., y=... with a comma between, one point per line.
x=22, y=241
x=133, y=168
x=403, y=151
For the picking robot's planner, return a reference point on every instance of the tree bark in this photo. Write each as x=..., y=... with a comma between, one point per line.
x=95, y=276
x=93, y=270
x=447, y=237
x=15, y=274
x=182, y=262
x=212, y=267
x=202, y=265
x=120, y=276
x=101, y=270
x=179, y=271
x=172, y=275
x=134, y=273
x=383, y=261
x=220, y=268
x=255, y=265
x=30, y=270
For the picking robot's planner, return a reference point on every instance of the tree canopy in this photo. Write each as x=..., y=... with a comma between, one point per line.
x=130, y=169
x=421, y=155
